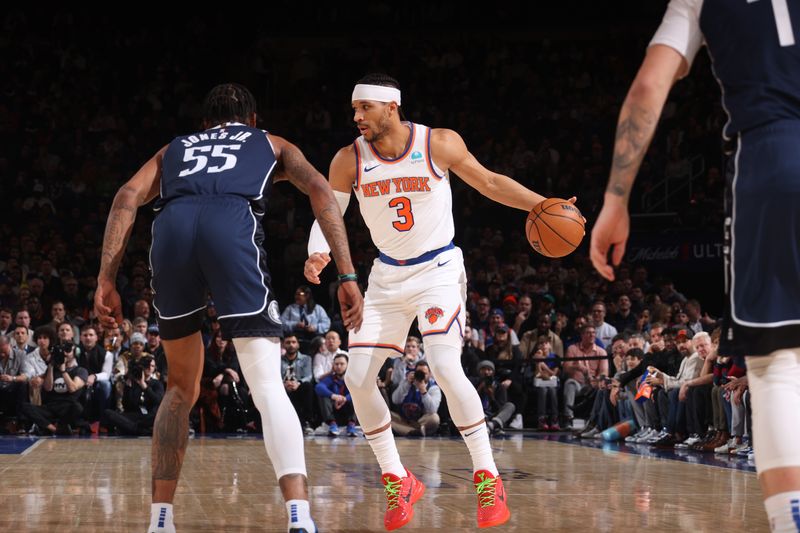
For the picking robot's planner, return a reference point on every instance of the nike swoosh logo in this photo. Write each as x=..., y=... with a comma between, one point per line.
x=472, y=432
x=443, y=264
x=367, y=169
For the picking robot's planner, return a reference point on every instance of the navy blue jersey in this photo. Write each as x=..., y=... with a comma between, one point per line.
x=755, y=51
x=232, y=159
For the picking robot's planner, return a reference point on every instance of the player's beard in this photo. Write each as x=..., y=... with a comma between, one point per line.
x=380, y=130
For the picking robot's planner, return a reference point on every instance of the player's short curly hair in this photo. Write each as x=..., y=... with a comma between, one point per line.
x=228, y=102
x=381, y=79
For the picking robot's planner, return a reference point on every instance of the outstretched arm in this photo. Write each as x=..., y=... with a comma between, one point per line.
x=139, y=190
x=635, y=128
x=450, y=152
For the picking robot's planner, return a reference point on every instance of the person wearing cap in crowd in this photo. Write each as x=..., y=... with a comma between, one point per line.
x=497, y=318
x=124, y=362
x=494, y=397
x=155, y=349
x=509, y=307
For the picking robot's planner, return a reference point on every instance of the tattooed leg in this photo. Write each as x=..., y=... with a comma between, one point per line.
x=171, y=428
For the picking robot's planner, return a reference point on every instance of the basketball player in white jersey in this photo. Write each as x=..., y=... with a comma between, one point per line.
x=399, y=171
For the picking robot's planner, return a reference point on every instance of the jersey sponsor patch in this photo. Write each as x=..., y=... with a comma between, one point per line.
x=433, y=314
x=273, y=312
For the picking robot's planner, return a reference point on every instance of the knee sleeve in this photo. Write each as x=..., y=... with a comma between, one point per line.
x=260, y=360
x=774, y=382
x=361, y=380
x=462, y=398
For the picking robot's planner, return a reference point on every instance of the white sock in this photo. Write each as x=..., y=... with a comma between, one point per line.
x=300, y=515
x=385, y=450
x=783, y=512
x=161, y=518
x=477, y=441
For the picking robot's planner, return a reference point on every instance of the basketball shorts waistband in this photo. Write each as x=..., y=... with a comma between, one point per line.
x=427, y=256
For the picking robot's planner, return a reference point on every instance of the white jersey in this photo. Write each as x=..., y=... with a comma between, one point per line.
x=406, y=202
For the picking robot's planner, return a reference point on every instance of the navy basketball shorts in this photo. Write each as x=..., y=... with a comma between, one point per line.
x=762, y=248
x=211, y=246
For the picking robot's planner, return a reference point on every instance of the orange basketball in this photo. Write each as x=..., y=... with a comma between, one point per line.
x=554, y=227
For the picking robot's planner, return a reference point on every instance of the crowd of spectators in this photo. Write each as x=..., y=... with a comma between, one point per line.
x=540, y=106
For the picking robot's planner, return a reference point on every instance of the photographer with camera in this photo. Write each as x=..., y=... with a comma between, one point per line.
x=417, y=398
x=125, y=361
x=63, y=386
x=141, y=397
x=494, y=397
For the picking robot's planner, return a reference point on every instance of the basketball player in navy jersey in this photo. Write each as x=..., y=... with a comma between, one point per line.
x=207, y=236
x=755, y=52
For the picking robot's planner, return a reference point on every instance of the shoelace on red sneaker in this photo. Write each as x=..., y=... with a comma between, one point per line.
x=486, y=488
x=392, y=489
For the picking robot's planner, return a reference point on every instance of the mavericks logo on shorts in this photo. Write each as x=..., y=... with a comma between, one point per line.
x=433, y=314
x=273, y=312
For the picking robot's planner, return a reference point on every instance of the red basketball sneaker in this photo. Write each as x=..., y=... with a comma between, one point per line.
x=401, y=494
x=492, y=508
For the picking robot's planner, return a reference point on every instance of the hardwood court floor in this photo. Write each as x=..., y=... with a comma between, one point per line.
x=103, y=485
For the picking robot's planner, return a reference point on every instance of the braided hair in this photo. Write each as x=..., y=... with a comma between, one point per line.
x=229, y=102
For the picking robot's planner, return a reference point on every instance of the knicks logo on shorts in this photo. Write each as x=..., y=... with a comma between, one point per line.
x=433, y=314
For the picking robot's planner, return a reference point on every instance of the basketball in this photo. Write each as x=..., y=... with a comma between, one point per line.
x=555, y=227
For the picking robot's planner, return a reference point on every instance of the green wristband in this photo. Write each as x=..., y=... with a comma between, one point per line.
x=348, y=277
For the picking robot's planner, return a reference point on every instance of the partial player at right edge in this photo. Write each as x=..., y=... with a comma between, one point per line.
x=756, y=57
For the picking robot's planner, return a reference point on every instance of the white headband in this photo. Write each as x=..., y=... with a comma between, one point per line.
x=378, y=93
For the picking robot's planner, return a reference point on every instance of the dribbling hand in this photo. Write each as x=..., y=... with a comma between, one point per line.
x=315, y=264
x=352, y=304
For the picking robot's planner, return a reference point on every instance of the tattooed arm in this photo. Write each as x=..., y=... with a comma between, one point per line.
x=639, y=116
x=637, y=124
x=294, y=167
x=139, y=190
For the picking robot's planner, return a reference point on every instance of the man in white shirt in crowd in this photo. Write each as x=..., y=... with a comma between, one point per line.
x=323, y=361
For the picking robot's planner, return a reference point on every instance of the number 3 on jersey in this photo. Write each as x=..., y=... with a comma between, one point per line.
x=404, y=212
